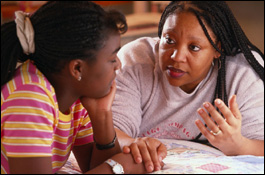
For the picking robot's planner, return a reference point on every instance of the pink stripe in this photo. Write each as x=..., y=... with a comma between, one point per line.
x=25, y=133
x=59, y=145
x=31, y=88
x=60, y=158
x=30, y=103
x=4, y=92
x=27, y=149
x=84, y=140
x=4, y=163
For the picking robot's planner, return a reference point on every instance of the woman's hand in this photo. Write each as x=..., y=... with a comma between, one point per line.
x=225, y=134
x=93, y=106
x=148, y=150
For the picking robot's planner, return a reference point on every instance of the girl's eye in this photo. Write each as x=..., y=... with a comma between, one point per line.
x=195, y=48
x=114, y=61
x=168, y=40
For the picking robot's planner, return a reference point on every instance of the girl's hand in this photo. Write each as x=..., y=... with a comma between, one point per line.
x=148, y=150
x=93, y=106
x=225, y=133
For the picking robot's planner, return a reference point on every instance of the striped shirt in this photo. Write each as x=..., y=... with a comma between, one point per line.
x=31, y=123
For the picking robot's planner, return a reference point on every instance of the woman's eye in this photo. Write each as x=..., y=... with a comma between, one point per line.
x=194, y=48
x=168, y=40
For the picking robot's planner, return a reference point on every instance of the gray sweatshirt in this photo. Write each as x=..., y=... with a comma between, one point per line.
x=146, y=105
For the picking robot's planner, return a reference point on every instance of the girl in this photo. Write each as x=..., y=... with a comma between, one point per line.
x=62, y=89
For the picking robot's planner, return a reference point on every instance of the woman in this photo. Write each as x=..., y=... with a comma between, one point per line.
x=201, y=59
x=63, y=87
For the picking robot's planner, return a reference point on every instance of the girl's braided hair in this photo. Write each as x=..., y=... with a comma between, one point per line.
x=224, y=25
x=63, y=31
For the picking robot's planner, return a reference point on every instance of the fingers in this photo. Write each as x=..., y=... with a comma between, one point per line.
x=149, y=151
x=147, y=159
x=204, y=130
x=135, y=152
x=161, y=152
x=209, y=122
x=234, y=107
x=126, y=149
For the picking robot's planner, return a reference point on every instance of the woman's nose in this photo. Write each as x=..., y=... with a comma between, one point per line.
x=178, y=55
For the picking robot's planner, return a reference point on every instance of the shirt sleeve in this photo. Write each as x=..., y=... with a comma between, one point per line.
x=85, y=130
x=27, y=119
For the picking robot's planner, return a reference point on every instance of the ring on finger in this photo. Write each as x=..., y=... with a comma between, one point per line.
x=216, y=133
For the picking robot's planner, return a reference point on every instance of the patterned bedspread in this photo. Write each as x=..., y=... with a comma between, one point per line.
x=186, y=157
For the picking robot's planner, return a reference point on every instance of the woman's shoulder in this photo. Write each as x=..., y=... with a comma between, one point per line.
x=239, y=66
x=139, y=51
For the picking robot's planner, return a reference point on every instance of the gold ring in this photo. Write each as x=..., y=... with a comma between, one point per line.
x=216, y=133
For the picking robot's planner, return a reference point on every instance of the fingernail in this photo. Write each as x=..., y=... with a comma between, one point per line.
x=160, y=159
x=218, y=101
x=200, y=111
x=150, y=168
x=139, y=159
x=157, y=168
x=206, y=105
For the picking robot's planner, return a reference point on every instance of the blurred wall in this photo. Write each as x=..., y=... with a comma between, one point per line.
x=250, y=15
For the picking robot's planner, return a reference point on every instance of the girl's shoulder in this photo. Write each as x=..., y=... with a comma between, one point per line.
x=28, y=80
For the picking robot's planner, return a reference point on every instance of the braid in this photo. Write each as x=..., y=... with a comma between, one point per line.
x=63, y=31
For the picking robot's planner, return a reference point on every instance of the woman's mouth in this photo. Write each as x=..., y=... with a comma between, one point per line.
x=174, y=73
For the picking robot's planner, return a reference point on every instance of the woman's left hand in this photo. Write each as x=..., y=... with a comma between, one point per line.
x=225, y=133
x=148, y=150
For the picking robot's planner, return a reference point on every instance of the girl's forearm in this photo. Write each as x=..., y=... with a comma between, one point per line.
x=104, y=133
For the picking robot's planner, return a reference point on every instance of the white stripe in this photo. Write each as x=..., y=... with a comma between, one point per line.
x=30, y=98
x=29, y=114
x=4, y=155
x=14, y=84
x=65, y=129
x=29, y=129
x=84, y=136
x=63, y=150
x=26, y=144
x=56, y=135
x=41, y=154
x=30, y=123
x=2, y=168
x=28, y=138
x=68, y=123
x=29, y=107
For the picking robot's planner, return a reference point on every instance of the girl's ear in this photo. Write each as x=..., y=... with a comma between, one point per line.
x=75, y=68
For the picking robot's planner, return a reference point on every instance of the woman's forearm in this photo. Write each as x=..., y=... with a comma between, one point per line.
x=124, y=139
x=252, y=147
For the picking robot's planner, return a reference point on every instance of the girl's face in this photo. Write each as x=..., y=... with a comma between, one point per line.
x=185, y=53
x=99, y=76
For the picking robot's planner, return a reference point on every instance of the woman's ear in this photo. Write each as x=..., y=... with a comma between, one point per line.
x=217, y=54
x=75, y=68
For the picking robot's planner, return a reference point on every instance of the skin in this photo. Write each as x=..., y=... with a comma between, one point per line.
x=96, y=90
x=184, y=46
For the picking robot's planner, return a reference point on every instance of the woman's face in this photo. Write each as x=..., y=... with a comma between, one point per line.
x=185, y=53
x=99, y=76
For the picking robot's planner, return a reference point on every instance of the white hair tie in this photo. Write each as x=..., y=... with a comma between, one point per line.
x=25, y=32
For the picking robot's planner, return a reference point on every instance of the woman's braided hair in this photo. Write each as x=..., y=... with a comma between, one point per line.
x=63, y=31
x=224, y=25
